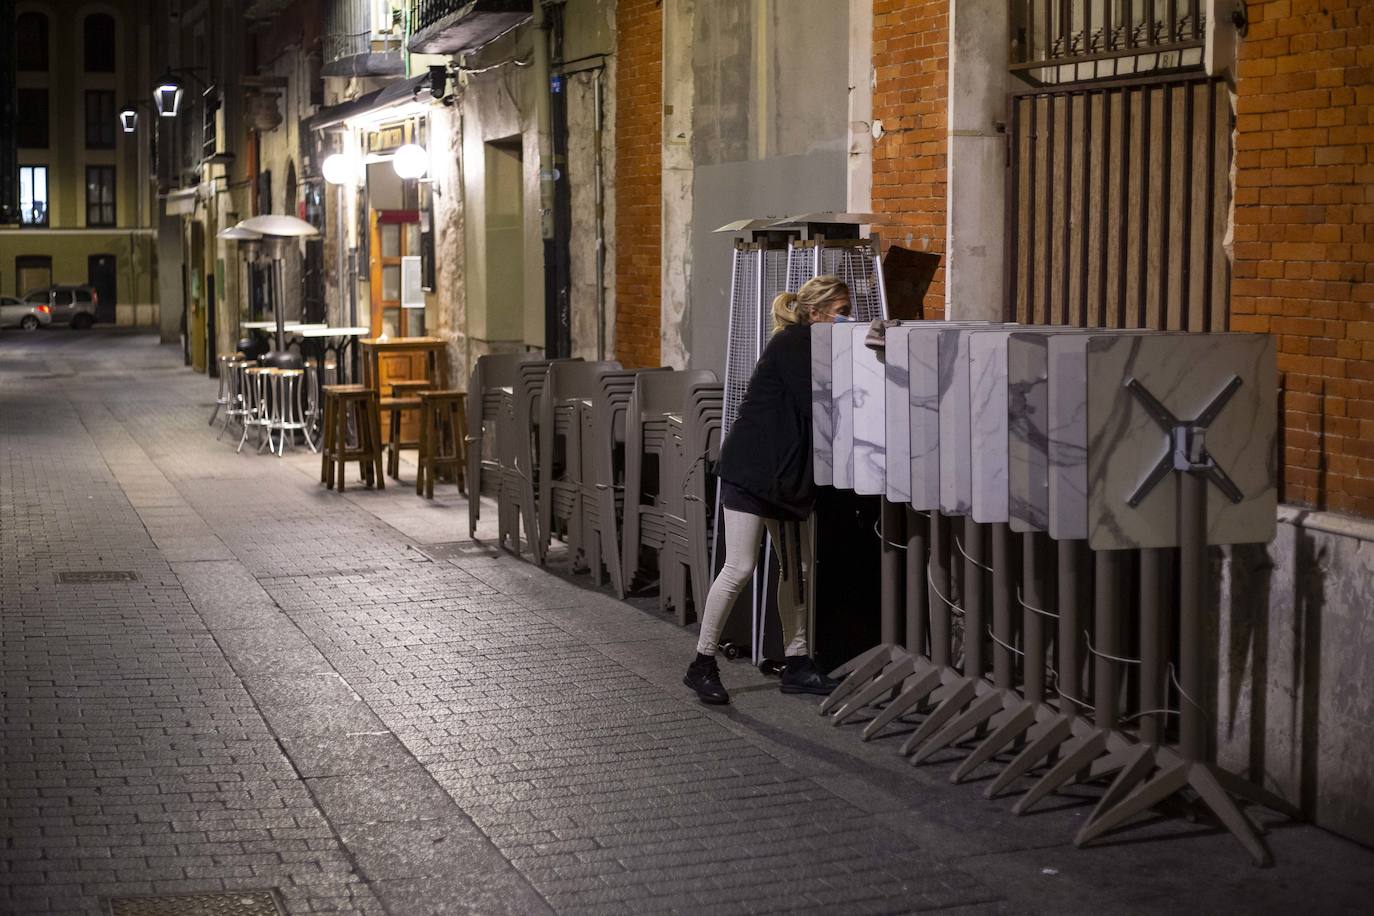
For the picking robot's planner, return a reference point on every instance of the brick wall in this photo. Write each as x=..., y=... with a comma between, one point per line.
x=910, y=97
x=1304, y=235
x=638, y=143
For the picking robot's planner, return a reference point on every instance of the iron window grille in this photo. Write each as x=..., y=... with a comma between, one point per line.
x=1072, y=41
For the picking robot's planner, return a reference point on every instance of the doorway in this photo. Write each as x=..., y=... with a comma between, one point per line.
x=101, y=274
x=395, y=234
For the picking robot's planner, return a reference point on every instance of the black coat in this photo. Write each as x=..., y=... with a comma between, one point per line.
x=767, y=452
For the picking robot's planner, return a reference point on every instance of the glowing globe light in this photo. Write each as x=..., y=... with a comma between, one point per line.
x=410, y=161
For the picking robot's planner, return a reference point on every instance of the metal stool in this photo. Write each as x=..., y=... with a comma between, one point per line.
x=443, y=445
x=234, y=410
x=224, y=397
x=255, y=404
x=357, y=403
x=287, y=409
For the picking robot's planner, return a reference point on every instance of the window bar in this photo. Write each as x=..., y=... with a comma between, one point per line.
x=1210, y=203
x=1189, y=129
x=1010, y=256
x=1105, y=206
x=1171, y=6
x=1049, y=208
x=1049, y=30
x=1143, y=217
x=1166, y=191
x=1084, y=219
x=1068, y=208
x=1128, y=27
x=1066, y=32
x=1123, y=237
x=1088, y=32
x=1032, y=168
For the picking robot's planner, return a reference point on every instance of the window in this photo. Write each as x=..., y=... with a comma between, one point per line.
x=100, y=119
x=33, y=195
x=31, y=128
x=100, y=195
x=31, y=41
x=100, y=43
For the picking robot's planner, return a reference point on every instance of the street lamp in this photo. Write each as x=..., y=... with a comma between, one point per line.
x=128, y=119
x=167, y=95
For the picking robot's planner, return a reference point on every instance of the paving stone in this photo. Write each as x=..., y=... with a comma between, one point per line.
x=293, y=694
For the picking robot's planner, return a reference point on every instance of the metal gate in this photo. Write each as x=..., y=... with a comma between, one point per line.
x=1117, y=204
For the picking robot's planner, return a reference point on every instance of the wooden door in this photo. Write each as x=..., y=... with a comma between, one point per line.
x=395, y=234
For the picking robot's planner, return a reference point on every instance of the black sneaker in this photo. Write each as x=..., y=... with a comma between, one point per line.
x=802, y=676
x=704, y=678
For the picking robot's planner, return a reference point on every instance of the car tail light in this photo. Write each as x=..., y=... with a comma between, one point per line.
x=45, y=309
x=95, y=298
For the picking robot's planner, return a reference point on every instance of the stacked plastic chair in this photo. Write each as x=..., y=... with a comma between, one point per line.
x=569, y=390
x=689, y=497
x=656, y=396
x=492, y=384
x=603, y=474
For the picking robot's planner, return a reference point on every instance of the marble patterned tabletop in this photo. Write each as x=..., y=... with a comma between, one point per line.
x=1184, y=372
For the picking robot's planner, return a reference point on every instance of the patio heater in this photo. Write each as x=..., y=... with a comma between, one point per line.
x=279, y=231
x=250, y=249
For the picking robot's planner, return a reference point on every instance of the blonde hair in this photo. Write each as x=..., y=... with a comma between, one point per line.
x=800, y=307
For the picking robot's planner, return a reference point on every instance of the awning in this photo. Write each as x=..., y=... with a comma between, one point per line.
x=398, y=93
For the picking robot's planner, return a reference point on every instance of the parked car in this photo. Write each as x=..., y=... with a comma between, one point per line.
x=16, y=313
x=73, y=305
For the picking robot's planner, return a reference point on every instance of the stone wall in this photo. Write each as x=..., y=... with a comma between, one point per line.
x=1295, y=691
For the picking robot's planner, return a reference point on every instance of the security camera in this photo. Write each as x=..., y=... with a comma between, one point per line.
x=438, y=80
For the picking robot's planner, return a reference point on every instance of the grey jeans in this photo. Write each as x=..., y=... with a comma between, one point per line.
x=743, y=535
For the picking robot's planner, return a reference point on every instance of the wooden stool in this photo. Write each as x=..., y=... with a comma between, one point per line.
x=336, y=453
x=443, y=442
x=399, y=403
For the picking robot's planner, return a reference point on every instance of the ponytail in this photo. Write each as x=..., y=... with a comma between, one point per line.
x=785, y=311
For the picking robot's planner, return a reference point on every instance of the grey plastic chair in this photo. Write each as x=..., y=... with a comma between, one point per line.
x=493, y=377
x=656, y=395
x=568, y=388
x=603, y=462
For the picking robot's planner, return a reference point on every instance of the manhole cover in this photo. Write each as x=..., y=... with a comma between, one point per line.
x=233, y=903
x=455, y=549
x=95, y=576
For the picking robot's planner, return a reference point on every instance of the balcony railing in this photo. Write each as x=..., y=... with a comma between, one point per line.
x=451, y=26
x=1058, y=41
x=361, y=37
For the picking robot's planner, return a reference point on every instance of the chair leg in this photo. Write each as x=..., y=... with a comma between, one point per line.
x=375, y=427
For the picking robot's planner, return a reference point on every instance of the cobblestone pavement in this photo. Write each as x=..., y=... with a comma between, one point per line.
x=300, y=690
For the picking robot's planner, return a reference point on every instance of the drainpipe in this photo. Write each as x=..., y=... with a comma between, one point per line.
x=600, y=187
x=557, y=192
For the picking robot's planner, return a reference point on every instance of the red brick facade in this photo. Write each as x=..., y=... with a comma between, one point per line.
x=1304, y=235
x=910, y=97
x=638, y=180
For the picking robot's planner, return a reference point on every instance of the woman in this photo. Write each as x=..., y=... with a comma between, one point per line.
x=765, y=482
